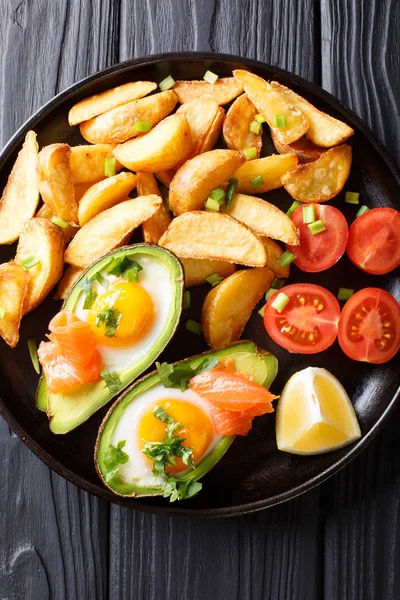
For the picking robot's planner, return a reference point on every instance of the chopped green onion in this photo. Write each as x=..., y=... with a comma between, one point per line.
x=308, y=214
x=219, y=195
x=257, y=182
x=352, y=198
x=143, y=126
x=260, y=119
x=210, y=77
x=250, y=153
x=193, y=326
x=270, y=293
x=34, y=355
x=286, y=258
x=29, y=262
x=255, y=127
x=345, y=293
x=363, y=209
x=2, y=312
x=59, y=222
x=109, y=167
x=316, y=227
x=261, y=311
x=101, y=280
x=280, y=121
x=280, y=302
x=167, y=83
x=214, y=279
x=278, y=283
x=211, y=204
x=186, y=299
x=294, y=206
x=111, y=380
x=231, y=190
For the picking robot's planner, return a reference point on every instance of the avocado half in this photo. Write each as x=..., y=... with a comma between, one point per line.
x=246, y=357
x=68, y=410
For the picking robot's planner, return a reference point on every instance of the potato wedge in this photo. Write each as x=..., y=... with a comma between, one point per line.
x=165, y=146
x=109, y=229
x=44, y=241
x=323, y=129
x=270, y=168
x=322, y=179
x=45, y=212
x=304, y=149
x=21, y=194
x=55, y=181
x=13, y=287
x=165, y=176
x=263, y=218
x=214, y=131
x=100, y=103
x=68, y=280
x=271, y=102
x=200, y=113
x=229, y=305
x=118, y=125
x=88, y=162
x=274, y=251
x=213, y=236
x=196, y=179
x=236, y=130
x=154, y=227
x=82, y=188
x=105, y=194
x=223, y=90
x=197, y=270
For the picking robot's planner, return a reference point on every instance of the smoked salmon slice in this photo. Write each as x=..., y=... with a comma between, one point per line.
x=76, y=338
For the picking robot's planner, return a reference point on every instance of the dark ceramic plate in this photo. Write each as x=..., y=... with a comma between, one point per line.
x=253, y=474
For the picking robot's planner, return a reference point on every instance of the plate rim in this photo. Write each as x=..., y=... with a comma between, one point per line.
x=169, y=510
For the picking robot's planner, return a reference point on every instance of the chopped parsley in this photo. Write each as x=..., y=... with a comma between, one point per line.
x=178, y=376
x=90, y=295
x=115, y=457
x=112, y=380
x=110, y=317
x=124, y=267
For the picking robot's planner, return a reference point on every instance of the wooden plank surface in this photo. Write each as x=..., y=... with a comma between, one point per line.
x=338, y=541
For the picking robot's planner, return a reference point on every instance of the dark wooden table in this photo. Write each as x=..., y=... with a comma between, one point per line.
x=342, y=539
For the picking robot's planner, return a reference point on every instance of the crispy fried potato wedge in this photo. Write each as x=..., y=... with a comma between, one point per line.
x=45, y=241
x=70, y=277
x=270, y=168
x=21, y=194
x=236, y=130
x=213, y=236
x=229, y=305
x=197, y=270
x=196, y=179
x=82, y=188
x=109, y=229
x=154, y=227
x=45, y=212
x=214, y=131
x=271, y=102
x=322, y=179
x=105, y=194
x=118, y=125
x=323, y=129
x=100, y=103
x=88, y=162
x=13, y=287
x=165, y=176
x=263, y=218
x=274, y=251
x=165, y=146
x=55, y=181
x=223, y=90
x=200, y=113
x=304, y=149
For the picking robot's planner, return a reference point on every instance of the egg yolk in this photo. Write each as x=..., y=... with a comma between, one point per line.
x=197, y=429
x=135, y=313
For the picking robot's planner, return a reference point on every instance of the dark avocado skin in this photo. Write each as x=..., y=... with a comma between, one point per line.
x=117, y=410
x=96, y=395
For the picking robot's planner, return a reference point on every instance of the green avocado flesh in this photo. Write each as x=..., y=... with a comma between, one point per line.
x=246, y=357
x=68, y=410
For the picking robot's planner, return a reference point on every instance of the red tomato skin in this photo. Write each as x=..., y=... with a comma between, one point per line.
x=319, y=252
x=368, y=351
x=375, y=223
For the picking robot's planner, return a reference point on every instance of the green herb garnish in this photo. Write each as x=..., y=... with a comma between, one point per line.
x=257, y=182
x=193, y=326
x=293, y=207
x=179, y=376
x=186, y=299
x=110, y=167
x=280, y=121
x=255, y=127
x=59, y=222
x=90, y=295
x=112, y=380
x=363, y=209
x=231, y=191
x=352, y=198
x=143, y=126
x=34, y=355
x=210, y=77
x=286, y=258
x=345, y=293
x=124, y=267
x=110, y=318
x=29, y=262
x=113, y=458
x=214, y=279
x=167, y=83
x=250, y=153
x=101, y=280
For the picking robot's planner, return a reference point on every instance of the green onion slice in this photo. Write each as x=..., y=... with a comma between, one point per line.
x=2, y=312
x=167, y=83
x=29, y=262
x=111, y=380
x=280, y=302
x=110, y=167
x=219, y=195
x=261, y=311
x=363, y=209
x=34, y=355
x=270, y=293
x=186, y=299
x=255, y=127
x=143, y=126
x=260, y=119
x=59, y=222
x=286, y=258
x=316, y=227
x=280, y=121
x=278, y=283
x=294, y=206
x=210, y=77
x=231, y=190
x=250, y=153
x=214, y=279
x=257, y=182
x=345, y=293
x=193, y=326
x=352, y=198
x=212, y=205
x=309, y=214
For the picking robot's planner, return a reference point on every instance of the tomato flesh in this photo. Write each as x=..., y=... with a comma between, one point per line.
x=369, y=328
x=321, y=251
x=309, y=322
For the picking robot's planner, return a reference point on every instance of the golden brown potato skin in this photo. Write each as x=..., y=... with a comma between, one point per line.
x=236, y=130
x=70, y=277
x=154, y=227
x=87, y=163
x=105, y=194
x=197, y=270
x=13, y=287
x=223, y=90
x=270, y=168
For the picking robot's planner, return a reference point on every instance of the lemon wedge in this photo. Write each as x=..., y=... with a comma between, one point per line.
x=315, y=414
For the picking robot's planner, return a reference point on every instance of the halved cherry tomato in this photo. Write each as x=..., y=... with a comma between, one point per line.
x=369, y=327
x=309, y=322
x=374, y=241
x=320, y=251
